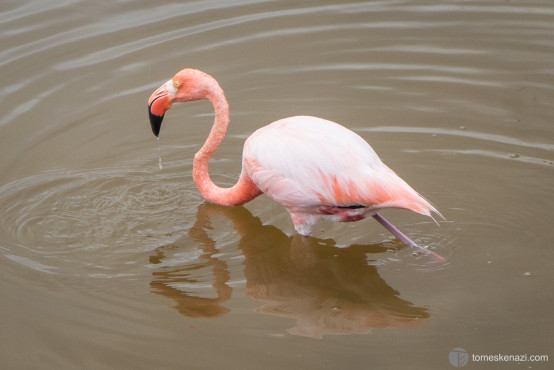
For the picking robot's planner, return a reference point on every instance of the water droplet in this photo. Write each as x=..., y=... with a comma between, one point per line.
x=160, y=166
x=528, y=273
x=336, y=309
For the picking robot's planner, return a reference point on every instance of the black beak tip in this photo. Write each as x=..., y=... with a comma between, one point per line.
x=155, y=122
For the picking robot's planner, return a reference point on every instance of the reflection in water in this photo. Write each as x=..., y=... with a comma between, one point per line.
x=197, y=307
x=328, y=290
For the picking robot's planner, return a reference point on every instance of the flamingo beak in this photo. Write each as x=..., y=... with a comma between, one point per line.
x=158, y=103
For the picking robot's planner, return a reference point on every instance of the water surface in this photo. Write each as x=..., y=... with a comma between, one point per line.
x=109, y=261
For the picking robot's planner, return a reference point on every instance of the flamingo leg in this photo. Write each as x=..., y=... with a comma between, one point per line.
x=403, y=238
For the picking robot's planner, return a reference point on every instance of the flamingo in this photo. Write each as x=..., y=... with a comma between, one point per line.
x=317, y=169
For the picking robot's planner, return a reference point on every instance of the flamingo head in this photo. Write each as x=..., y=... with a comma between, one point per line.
x=186, y=85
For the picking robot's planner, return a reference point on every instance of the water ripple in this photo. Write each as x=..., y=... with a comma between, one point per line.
x=461, y=133
x=86, y=218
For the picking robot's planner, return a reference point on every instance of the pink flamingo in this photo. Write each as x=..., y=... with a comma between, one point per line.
x=316, y=169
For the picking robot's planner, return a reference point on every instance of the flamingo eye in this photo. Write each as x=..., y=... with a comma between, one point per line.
x=176, y=84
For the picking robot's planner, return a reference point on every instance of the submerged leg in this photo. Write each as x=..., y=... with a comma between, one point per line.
x=403, y=238
x=303, y=222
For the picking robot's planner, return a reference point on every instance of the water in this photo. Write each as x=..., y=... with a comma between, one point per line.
x=110, y=260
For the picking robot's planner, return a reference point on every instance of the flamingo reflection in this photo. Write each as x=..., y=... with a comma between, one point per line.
x=326, y=290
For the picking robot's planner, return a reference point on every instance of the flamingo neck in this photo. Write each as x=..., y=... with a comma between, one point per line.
x=244, y=190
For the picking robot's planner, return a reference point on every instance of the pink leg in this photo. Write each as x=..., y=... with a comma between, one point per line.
x=303, y=223
x=403, y=238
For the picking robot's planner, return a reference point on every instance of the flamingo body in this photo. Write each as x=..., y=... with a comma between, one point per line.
x=319, y=169
x=314, y=167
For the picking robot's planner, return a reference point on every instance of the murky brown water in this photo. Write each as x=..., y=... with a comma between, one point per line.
x=107, y=261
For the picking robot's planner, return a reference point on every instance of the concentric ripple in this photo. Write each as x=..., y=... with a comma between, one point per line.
x=99, y=215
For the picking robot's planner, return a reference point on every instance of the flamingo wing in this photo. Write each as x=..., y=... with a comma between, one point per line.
x=307, y=162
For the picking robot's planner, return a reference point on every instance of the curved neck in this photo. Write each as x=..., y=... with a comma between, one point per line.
x=244, y=190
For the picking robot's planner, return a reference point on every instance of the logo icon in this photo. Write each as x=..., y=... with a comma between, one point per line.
x=458, y=357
